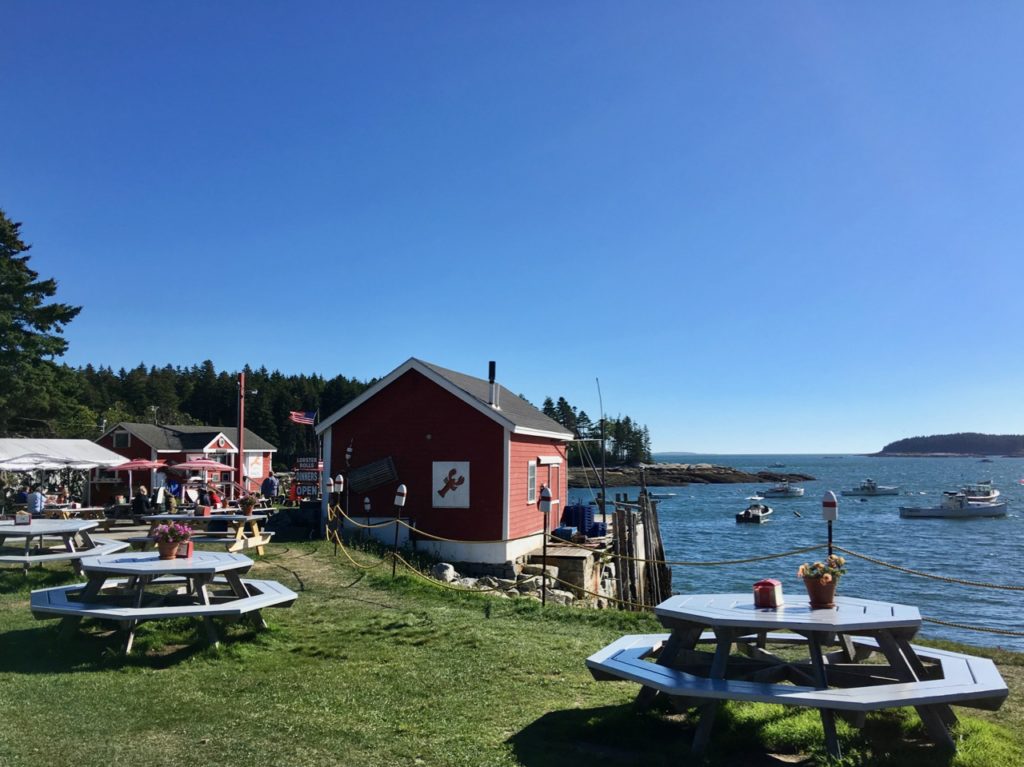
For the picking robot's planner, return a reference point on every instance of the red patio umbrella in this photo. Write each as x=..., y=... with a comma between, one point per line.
x=199, y=464
x=137, y=464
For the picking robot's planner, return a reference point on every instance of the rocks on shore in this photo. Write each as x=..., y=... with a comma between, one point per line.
x=676, y=474
x=527, y=584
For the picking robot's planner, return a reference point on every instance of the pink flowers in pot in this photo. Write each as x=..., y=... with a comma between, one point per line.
x=173, y=532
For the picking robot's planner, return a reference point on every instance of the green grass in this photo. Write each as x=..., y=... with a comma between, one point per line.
x=366, y=671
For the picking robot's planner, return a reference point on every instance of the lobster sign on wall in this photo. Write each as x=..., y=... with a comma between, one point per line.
x=451, y=485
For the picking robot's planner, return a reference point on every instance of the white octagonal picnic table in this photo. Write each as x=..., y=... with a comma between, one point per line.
x=131, y=574
x=829, y=682
x=74, y=534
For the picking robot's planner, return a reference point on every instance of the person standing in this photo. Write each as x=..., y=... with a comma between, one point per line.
x=36, y=501
x=270, y=486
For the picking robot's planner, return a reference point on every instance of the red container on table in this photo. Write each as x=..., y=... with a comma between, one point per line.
x=204, y=511
x=185, y=550
x=768, y=593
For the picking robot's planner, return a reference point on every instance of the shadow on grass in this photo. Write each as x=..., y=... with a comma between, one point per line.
x=616, y=736
x=14, y=580
x=99, y=647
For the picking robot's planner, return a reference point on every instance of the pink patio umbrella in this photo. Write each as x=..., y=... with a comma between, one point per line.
x=137, y=464
x=199, y=464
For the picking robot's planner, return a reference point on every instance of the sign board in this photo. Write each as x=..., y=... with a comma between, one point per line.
x=307, y=476
x=450, y=485
x=254, y=466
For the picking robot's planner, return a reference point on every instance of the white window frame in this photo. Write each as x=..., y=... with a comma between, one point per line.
x=127, y=439
x=531, y=482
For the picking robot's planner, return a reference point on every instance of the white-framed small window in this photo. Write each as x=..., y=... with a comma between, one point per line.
x=531, y=482
x=122, y=439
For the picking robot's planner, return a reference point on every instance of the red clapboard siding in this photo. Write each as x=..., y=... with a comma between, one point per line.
x=417, y=422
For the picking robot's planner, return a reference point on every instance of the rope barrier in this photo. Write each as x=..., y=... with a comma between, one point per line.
x=679, y=563
x=985, y=629
x=344, y=550
x=945, y=579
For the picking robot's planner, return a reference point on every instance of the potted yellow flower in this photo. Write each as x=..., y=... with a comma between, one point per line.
x=821, y=579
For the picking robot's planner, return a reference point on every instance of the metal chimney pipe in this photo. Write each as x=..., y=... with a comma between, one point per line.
x=493, y=395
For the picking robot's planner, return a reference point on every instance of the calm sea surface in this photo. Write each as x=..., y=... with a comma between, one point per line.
x=697, y=523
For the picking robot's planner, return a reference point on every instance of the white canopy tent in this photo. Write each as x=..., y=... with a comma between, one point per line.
x=18, y=454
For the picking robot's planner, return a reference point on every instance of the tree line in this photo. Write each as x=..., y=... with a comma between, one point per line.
x=625, y=441
x=41, y=398
x=969, y=443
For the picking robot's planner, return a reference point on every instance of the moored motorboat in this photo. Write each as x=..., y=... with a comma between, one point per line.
x=755, y=513
x=980, y=492
x=870, y=488
x=956, y=506
x=783, y=490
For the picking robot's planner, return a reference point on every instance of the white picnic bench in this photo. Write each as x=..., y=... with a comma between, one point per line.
x=75, y=542
x=121, y=588
x=926, y=678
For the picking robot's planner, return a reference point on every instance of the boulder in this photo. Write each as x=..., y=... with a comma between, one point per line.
x=444, y=572
x=538, y=569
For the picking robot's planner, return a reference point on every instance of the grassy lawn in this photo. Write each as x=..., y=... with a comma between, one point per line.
x=366, y=671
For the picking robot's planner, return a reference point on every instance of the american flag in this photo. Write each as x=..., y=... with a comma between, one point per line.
x=302, y=416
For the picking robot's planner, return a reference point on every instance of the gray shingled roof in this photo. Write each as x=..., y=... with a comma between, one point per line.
x=168, y=437
x=512, y=406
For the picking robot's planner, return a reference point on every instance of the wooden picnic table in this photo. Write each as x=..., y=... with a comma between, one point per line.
x=75, y=542
x=927, y=679
x=66, y=511
x=131, y=578
x=244, y=531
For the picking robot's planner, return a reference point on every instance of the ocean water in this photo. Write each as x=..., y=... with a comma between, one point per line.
x=698, y=524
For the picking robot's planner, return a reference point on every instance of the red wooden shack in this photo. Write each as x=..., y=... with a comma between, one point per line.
x=472, y=454
x=176, y=444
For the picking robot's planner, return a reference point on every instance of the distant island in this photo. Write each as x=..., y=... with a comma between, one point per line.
x=676, y=474
x=964, y=443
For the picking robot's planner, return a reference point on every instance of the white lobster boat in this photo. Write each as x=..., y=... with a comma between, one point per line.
x=869, y=488
x=783, y=490
x=755, y=513
x=956, y=506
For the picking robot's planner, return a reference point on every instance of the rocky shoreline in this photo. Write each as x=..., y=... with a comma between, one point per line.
x=676, y=474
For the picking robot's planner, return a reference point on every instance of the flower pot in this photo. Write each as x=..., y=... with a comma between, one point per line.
x=822, y=594
x=168, y=550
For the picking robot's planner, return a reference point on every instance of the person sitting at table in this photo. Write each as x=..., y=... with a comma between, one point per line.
x=36, y=501
x=204, y=497
x=215, y=500
x=22, y=495
x=140, y=503
x=63, y=496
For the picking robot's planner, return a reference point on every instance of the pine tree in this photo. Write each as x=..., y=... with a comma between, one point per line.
x=30, y=338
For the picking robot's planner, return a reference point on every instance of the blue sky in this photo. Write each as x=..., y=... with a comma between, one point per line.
x=766, y=227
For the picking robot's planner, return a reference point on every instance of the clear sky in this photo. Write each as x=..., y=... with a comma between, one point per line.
x=765, y=227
